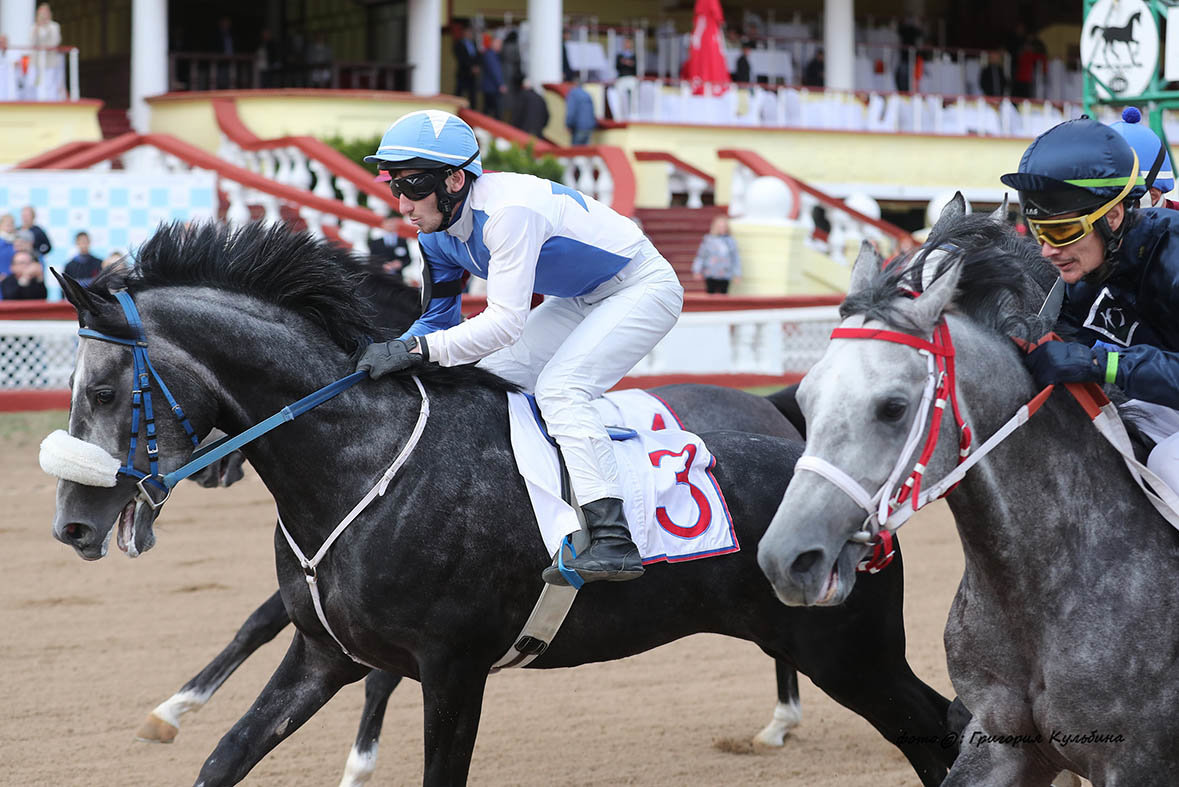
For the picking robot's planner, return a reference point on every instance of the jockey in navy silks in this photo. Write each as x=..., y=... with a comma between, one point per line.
x=610, y=297
x=1080, y=184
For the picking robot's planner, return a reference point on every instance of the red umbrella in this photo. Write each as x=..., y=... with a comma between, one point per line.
x=706, y=62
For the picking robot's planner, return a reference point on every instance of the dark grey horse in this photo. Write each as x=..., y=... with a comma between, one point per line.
x=394, y=305
x=417, y=587
x=1062, y=637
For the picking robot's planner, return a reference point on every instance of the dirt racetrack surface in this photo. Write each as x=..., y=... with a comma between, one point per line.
x=90, y=648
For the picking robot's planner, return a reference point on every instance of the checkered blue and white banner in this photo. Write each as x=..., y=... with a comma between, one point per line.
x=119, y=210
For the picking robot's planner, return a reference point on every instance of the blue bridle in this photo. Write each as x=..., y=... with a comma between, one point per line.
x=141, y=400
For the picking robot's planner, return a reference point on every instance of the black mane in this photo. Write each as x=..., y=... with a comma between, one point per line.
x=1002, y=285
x=349, y=298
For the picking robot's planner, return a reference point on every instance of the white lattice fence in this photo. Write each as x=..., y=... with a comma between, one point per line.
x=37, y=355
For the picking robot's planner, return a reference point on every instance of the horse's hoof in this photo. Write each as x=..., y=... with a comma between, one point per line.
x=787, y=716
x=1066, y=779
x=156, y=730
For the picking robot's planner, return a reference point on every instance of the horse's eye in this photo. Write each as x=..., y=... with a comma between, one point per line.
x=891, y=409
x=104, y=396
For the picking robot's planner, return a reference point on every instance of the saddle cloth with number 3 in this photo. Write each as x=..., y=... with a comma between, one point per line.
x=673, y=504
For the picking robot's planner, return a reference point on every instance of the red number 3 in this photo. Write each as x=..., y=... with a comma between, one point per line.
x=704, y=518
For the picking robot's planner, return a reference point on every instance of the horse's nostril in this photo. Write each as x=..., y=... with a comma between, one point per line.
x=75, y=531
x=804, y=562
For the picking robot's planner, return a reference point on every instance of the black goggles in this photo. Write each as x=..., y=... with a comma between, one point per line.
x=420, y=185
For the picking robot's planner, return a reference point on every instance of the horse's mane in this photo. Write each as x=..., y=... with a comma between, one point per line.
x=348, y=298
x=1002, y=284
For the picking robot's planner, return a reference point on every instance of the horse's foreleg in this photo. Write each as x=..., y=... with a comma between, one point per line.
x=452, y=692
x=996, y=765
x=788, y=711
x=163, y=723
x=307, y=678
x=362, y=760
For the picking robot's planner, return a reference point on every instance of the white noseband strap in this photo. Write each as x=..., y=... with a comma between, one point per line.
x=71, y=459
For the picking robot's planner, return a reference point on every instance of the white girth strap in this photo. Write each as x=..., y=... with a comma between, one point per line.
x=309, y=566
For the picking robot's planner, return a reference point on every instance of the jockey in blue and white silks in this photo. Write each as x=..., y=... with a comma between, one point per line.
x=610, y=297
x=1080, y=184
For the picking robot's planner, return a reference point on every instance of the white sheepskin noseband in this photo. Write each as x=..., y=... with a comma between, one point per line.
x=71, y=459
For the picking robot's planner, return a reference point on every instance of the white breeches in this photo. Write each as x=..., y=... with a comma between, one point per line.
x=1161, y=424
x=575, y=349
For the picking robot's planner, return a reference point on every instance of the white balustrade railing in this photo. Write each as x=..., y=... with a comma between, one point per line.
x=846, y=230
x=39, y=354
x=587, y=174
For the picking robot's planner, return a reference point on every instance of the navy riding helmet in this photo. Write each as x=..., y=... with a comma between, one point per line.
x=1078, y=165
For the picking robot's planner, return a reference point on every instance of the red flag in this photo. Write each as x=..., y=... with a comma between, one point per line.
x=706, y=62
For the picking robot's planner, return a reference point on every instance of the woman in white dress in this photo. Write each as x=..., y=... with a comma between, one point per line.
x=48, y=82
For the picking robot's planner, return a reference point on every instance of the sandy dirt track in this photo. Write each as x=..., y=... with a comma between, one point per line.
x=90, y=648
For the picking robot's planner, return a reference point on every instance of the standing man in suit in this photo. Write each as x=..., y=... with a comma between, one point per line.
x=466, y=56
x=389, y=248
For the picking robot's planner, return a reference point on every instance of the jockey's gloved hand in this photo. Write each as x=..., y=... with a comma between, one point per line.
x=381, y=358
x=1067, y=362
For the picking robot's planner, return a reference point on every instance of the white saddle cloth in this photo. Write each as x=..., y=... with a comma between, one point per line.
x=673, y=505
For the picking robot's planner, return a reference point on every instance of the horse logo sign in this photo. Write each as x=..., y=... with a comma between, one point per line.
x=1120, y=46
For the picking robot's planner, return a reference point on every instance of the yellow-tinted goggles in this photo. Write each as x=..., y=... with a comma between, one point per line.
x=1059, y=233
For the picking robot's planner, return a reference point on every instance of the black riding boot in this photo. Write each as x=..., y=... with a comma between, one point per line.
x=611, y=555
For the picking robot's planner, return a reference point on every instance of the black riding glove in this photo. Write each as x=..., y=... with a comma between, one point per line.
x=380, y=358
x=1066, y=362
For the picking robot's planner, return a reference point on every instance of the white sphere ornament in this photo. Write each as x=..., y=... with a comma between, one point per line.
x=768, y=198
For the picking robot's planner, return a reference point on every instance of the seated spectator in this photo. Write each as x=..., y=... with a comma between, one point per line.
x=26, y=281
x=84, y=266
x=530, y=113
x=389, y=248
x=625, y=62
x=717, y=261
x=744, y=72
x=993, y=80
x=7, y=239
x=814, y=74
x=41, y=244
x=579, y=114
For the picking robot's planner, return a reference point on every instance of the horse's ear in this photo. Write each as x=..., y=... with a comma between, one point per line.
x=1001, y=213
x=84, y=301
x=866, y=267
x=938, y=294
x=954, y=209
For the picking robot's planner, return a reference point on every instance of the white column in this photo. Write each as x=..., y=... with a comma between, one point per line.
x=149, y=58
x=544, y=40
x=16, y=21
x=839, y=43
x=425, y=46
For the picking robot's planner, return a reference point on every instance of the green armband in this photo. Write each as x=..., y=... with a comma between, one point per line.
x=1111, y=367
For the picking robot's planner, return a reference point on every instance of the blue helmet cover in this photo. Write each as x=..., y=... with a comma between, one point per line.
x=432, y=135
x=1146, y=143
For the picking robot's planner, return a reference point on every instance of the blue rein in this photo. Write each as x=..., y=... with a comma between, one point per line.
x=141, y=399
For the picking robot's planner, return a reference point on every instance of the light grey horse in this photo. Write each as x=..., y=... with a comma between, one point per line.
x=1063, y=636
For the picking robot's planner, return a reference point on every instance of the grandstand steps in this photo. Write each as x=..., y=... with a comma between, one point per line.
x=676, y=233
x=113, y=122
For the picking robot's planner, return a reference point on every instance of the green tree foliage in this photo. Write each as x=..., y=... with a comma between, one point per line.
x=512, y=159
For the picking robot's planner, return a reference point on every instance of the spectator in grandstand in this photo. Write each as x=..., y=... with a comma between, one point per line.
x=579, y=114
x=814, y=75
x=84, y=266
x=509, y=58
x=910, y=35
x=744, y=73
x=7, y=237
x=268, y=59
x=992, y=80
x=625, y=62
x=388, y=248
x=493, y=78
x=8, y=85
x=1032, y=58
x=26, y=281
x=1149, y=147
x=319, y=60
x=28, y=219
x=530, y=113
x=49, y=80
x=566, y=69
x=114, y=258
x=466, y=56
x=717, y=262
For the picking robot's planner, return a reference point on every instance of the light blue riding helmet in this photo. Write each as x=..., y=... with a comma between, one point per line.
x=1146, y=144
x=427, y=139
